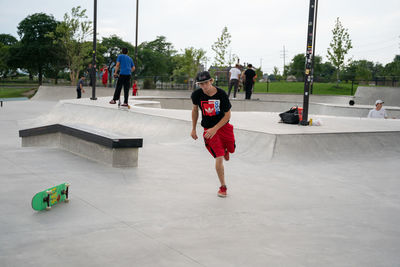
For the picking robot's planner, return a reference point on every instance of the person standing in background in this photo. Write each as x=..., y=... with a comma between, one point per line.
x=249, y=79
x=234, y=77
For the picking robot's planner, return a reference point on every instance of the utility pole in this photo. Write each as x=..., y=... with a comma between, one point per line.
x=283, y=54
x=136, y=37
x=313, y=52
x=309, y=60
x=93, y=70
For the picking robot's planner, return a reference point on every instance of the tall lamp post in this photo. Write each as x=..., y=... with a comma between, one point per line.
x=136, y=37
x=93, y=71
x=308, y=78
x=313, y=53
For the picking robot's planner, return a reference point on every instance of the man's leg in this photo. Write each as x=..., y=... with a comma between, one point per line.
x=230, y=88
x=219, y=167
x=247, y=90
x=235, y=87
x=127, y=85
x=118, y=88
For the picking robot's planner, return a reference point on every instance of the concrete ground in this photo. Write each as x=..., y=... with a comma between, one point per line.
x=298, y=196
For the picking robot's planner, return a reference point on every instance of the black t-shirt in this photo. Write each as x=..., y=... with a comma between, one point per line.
x=249, y=73
x=212, y=108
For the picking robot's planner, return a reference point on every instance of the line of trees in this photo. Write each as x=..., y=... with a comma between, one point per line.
x=337, y=68
x=360, y=70
x=62, y=49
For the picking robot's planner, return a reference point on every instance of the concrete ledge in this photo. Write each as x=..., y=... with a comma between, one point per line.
x=94, y=144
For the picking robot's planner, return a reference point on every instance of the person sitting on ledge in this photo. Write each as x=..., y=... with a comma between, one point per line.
x=378, y=112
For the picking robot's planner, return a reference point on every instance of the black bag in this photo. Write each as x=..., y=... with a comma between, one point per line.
x=291, y=116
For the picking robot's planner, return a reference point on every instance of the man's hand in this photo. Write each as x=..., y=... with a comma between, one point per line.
x=210, y=133
x=193, y=134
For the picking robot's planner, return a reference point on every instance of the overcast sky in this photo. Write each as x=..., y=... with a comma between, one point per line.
x=259, y=28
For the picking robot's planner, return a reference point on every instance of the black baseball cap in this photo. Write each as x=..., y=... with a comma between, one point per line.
x=203, y=76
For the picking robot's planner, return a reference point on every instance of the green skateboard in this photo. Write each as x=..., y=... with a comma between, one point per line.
x=50, y=197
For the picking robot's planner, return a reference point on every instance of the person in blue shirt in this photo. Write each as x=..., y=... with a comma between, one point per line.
x=126, y=67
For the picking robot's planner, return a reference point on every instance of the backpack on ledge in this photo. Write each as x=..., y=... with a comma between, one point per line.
x=291, y=116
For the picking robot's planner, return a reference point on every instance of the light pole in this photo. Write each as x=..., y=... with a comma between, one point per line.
x=309, y=61
x=93, y=71
x=313, y=53
x=136, y=37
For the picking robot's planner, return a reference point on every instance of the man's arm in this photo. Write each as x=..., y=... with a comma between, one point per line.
x=255, y=77
x=212, y=131
x=81, y=86
x=116, y=69
x=195, y=117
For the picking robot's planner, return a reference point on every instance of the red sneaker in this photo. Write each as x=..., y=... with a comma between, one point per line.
x=124, y=105
x=222, y=191
x=112, y=101
x=226, y=156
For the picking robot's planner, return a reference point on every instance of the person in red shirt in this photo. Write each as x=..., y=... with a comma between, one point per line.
x=104, y=78
x=134, y=88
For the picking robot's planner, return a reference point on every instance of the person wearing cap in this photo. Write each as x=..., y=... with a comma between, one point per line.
x=218, y=135
x=378, y=112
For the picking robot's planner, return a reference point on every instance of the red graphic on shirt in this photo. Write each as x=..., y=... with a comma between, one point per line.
x=210, y=108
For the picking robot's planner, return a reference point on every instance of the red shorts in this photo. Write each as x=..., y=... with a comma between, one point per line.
x=223, y=140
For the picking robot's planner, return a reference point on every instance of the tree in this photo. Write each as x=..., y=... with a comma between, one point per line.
x=276, y=74
x=364, y=70
x=326, y=73
x=113, y=46
x=339, y=47
x=296, y=66
x=188, y=63
x=71, y=34
x=34, y=49
x=6, y=41
x=393, y=68
x=155, y=59
x=220, y=47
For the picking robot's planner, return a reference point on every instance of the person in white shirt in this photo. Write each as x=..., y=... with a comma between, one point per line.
x=378, y=112
x=234, y=76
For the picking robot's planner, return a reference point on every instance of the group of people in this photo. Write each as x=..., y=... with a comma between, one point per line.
x=237, y=77
x=121, y=72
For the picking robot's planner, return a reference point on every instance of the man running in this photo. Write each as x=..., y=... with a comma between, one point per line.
x=218, y=132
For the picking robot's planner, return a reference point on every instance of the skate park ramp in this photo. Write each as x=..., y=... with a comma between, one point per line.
x=297, y=195
x=270, y=139
x=368, y=95
x=55, y=93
